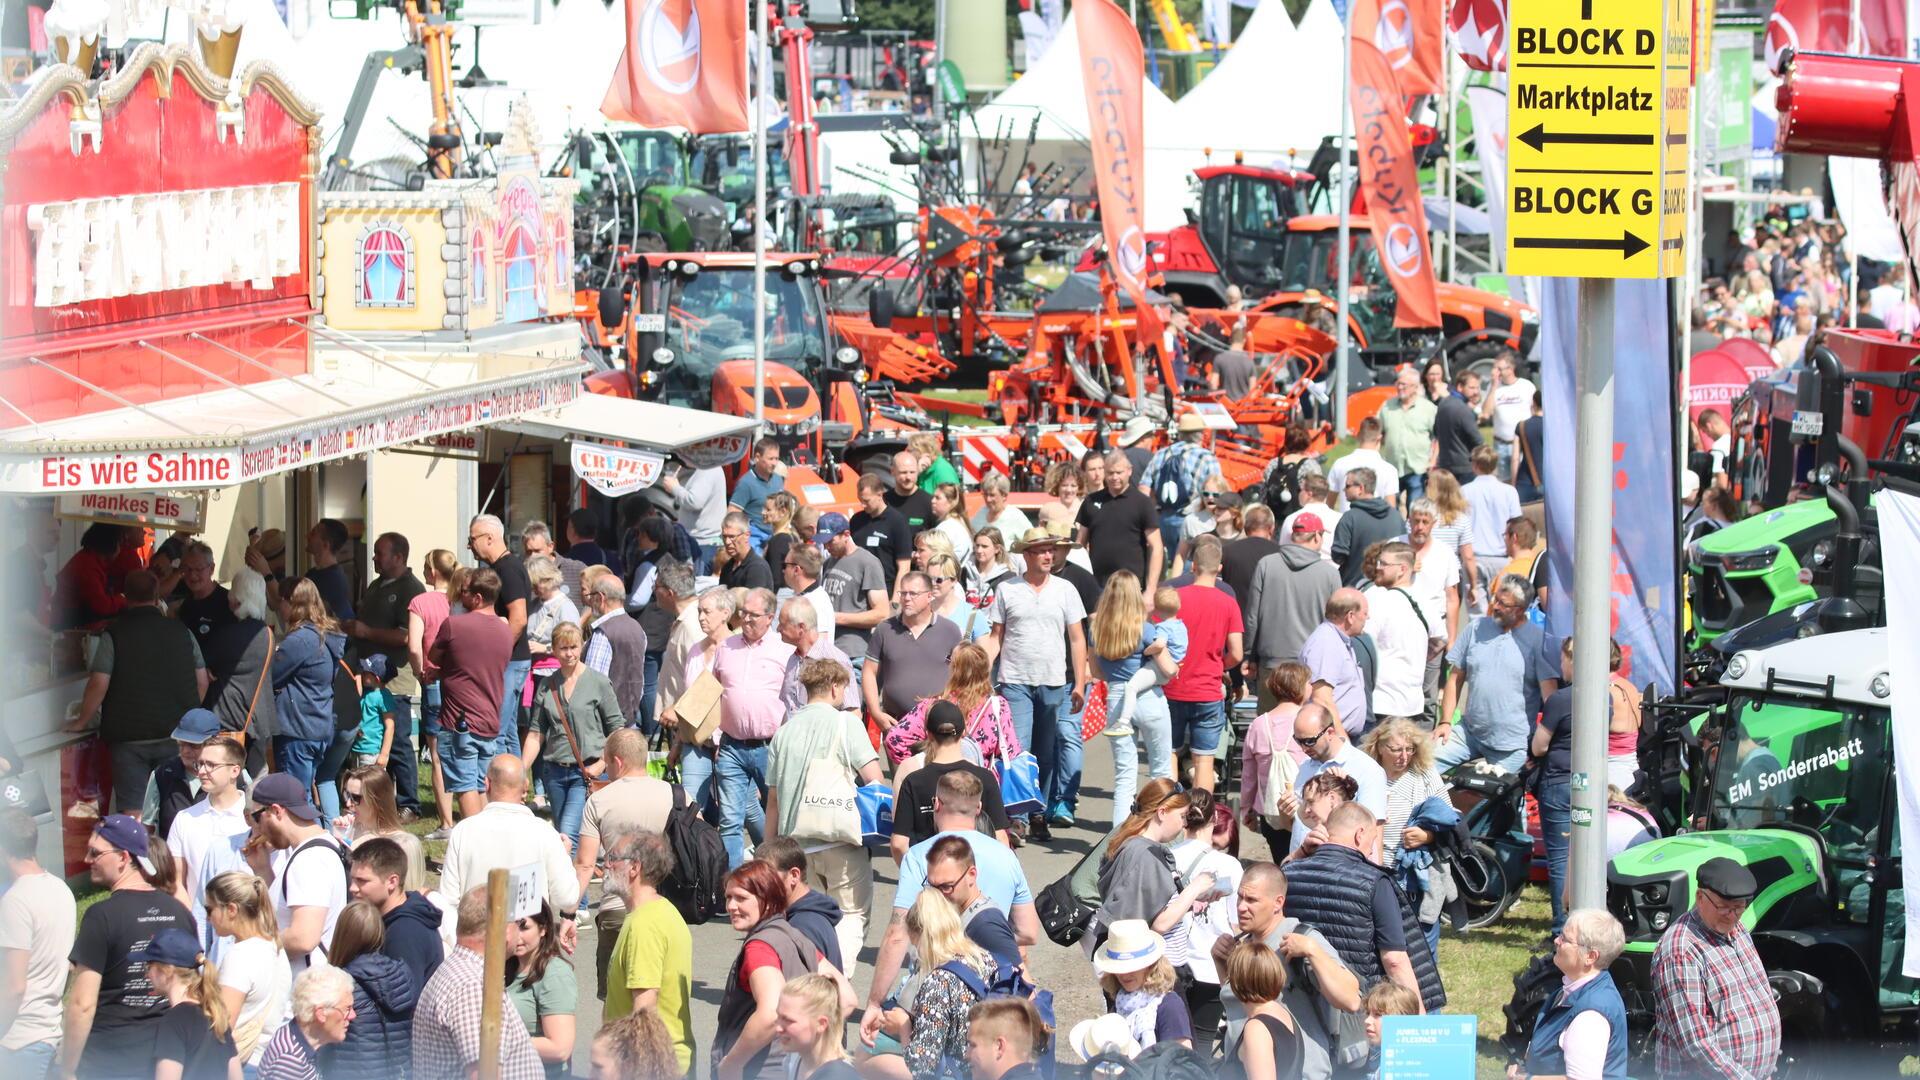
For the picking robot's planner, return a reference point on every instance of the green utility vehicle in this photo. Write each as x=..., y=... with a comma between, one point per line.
x=1754, y=567
x=1789, y=763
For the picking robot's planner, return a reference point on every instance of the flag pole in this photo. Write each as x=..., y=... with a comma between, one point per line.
x=758, y=65
x=1341, y=335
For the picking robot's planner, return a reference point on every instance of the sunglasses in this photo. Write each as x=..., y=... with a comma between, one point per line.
x=352, y=798
x=941, y=581
x=1308, y=744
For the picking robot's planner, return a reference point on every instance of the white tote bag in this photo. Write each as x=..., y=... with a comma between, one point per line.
x=829, y=806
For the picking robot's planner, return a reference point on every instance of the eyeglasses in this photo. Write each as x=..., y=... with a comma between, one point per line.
x=352, y=798
x=945, y=888
x=1308, y=744
x=209, y=766
x=256, y=815
x=1724, y=905
x=912, y=594
x=94, y=854
x=939, y=581
x=756, y=616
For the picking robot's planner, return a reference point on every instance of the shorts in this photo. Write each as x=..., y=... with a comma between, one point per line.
x=464, y=757
x=1198, y=725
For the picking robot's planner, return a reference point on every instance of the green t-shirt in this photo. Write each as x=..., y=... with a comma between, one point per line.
x=556, y=994
x=655, y=952
x=815, y=733
x=940, y=472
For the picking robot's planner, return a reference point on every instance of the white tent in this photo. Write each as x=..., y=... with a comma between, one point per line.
x=1234, y=109
x=1052, y=94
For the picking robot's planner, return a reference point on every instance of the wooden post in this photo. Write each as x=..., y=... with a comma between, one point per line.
x=493, y=982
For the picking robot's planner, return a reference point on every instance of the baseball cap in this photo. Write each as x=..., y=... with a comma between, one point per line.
x=1308, y=523
x=1727, y=878
x=286, y=792
x=375, y=665
x=128, y=835
x=196, y=727
x=829, y=526
x=945, y=719
x=170, y=946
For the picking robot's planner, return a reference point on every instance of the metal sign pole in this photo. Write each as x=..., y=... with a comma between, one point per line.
x=762, y=84
x=1338, y=391
x=1592, y=593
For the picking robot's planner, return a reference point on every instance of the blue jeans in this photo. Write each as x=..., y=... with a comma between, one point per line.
x=429, y=712
x=403, y=765
x=298, y=758
x=1503, y=451
x=1461, y=748
x=742, y=771
x=1170, y=529
x=696, y=779
x=1413, y=485
x=516, y=680
x=1556, y=821
x=29, y=1062
x=646, y=720
x=567, y=793
x=1196, y=726
x=1152, y=729
x=707, y=552
x=326, y=781
x=1041, y=718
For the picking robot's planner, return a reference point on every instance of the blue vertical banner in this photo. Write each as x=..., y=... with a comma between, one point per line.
x=1645, y=506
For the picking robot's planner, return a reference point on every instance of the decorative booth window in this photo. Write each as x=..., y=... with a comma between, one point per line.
x=383, y=268
x=477, y=267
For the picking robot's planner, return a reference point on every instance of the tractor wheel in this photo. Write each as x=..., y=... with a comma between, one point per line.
x=1808, y=1041
x=1531, y=988
x=1477, y=357
x=1483, y=885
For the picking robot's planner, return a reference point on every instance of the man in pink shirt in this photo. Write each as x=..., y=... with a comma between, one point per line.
x=751, y=667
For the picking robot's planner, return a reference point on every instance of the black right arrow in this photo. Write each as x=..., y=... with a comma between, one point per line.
x=1628, y=245
x=1538, y=137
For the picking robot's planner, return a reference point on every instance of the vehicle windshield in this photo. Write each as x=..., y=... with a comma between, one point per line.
x=1782, y=761
x=1312, y=261
x=655, y=157
x=710, y=320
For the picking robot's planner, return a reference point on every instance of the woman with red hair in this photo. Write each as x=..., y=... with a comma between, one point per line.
x=773, y=953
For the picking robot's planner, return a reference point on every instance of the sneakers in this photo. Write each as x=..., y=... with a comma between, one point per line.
x=1061, y=817
x=441, y=834
x=408, y=817
x=1118, y=732
x=1037, y=829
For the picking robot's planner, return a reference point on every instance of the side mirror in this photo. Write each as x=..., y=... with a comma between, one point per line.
x=613, y=307
x=880, y=306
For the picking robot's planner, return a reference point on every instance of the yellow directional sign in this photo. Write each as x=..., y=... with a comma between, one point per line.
x=1597, y=129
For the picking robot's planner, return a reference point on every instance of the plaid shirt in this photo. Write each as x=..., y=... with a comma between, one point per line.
x=599, y=655
x=1714, y=1014
x=1192, y=463
x=446, y=1025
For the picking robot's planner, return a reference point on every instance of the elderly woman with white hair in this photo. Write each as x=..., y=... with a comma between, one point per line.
x=1581, y=1032
x=551, y=604
x=237, y=655
x=322, y=1008
x=715, y=609
x=996, y=513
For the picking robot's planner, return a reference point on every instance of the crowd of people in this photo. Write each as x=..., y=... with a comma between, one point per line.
x=704, y=716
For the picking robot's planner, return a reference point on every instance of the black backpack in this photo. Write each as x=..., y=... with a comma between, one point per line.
x=1171, y=495
x=1281, y=492
x=699, y=863
x=329, y=843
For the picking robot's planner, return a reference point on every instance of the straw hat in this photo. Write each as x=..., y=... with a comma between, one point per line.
x=1106, y=1034
x=1131, y=945
x=1137, y=427
x=1039, y=537
x=1190, y=423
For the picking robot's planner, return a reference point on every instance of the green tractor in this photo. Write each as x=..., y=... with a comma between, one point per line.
x=1788, y=769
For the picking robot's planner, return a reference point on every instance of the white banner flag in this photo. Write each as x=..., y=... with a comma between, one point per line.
x=1900, y=555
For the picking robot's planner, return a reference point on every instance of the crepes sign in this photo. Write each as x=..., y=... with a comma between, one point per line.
x=614, y=471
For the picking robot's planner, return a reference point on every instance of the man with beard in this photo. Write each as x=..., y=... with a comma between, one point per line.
x=652, y=965
x=1498, y=671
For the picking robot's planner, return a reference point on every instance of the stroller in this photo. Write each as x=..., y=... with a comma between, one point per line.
x=1496, y=860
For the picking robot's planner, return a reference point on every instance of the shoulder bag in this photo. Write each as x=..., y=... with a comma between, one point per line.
x=266, y=676
x=566, y=728
x=828, y=810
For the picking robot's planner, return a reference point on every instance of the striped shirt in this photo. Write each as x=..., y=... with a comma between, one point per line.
x=1404, y=796
x=288, y=1056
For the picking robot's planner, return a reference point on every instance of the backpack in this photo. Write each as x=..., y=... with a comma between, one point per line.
x=1010, y=983
x=1170, y=491
x=1347, y=1044
x=699, y=863
x=1171, y=1061
x=339, y=850
x=1281, y=492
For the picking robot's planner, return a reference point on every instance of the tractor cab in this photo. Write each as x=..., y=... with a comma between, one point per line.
x=1243, y=222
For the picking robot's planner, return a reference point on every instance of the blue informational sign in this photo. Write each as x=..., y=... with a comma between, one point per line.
x=1427, y=1047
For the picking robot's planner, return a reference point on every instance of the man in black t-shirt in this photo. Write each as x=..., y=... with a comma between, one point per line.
x=915, y=506
x=325, y=541
x=1120, y=527
x=881, y=531
x=382, y=629
x=109, y=975
x=487, y=539
x=1456, y=427
x=205, y=608
x=746, y=568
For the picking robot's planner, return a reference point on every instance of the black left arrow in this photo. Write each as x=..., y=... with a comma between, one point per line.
x=1538, y=137
x=1628, y=245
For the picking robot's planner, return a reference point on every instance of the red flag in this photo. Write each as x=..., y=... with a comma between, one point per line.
x=684, y=66
x=1883, y=28
x=1112, y=70
x=1479, y=29
x=1806, y=26
x=1392, y=188
x=1407, y=33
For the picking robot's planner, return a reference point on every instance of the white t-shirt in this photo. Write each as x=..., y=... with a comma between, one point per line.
x=1511, y=404
x=1386, y=478
x=258, y=969
x=1329, y=518
x=208, y=842
x=1393, y=620
x=1193, y=857
x=1436, y=571
x=38, y=917
x=1356, y=763
x=1034, y=649
x=315, y=879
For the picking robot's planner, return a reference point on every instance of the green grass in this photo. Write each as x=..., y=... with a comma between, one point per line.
x=1479, y=970
x=976, y=397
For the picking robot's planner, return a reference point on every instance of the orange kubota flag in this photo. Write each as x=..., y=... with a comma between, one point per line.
x=1392, y=187
x=1407, y=33
x=1113, y=71
x=685, y=65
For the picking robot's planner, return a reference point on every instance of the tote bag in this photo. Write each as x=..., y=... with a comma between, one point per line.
x=829, y=805
x=1020, y=784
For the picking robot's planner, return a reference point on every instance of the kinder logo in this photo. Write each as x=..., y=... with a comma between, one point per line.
x=1133, y=252
x=1393, y=34
x=1403, y=250
x=669, y=52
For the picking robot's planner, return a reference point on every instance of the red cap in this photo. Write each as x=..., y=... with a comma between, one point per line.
x=1308, y=523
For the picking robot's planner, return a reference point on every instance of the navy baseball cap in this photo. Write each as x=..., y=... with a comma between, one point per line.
x=128, y=835
x=196, y=727
x=170, y=946
x=375, y=665
x=287, y=792
x=829, y=526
